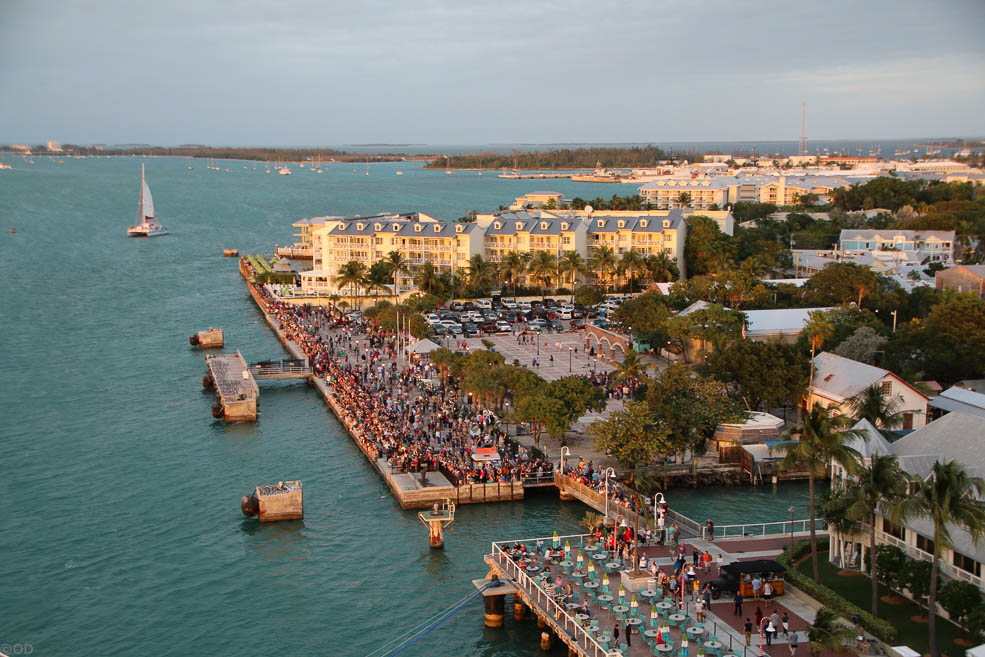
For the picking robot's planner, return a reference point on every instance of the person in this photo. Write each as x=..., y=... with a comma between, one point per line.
x=794, y=640
x=706, y=561
x=775, y=621
x=629, y=635
x=759, y=617
x=709, y=530
x=695, y=556
x=737, y=601
x=747, y=630
x=768, y=593
x=785, y=623
x=699, y=609
x=757, y=587
x=615, y=631
x=721, y=562
x=770, y=631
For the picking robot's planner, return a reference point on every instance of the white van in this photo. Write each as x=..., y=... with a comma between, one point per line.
x=483, y=303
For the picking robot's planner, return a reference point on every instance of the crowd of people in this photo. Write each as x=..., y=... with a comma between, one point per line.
x=397, y=408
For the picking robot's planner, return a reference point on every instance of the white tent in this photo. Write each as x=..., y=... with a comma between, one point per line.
x=422, y=347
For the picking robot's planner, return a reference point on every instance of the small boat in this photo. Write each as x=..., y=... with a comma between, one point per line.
x=284, y=171
x=147, y=225
x=230, y=253
x=400, y=173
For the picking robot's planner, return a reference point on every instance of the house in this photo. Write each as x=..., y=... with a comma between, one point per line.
x=928, y=245
x=838, y=379
x=784, y=324
x=959, y=399
x=963, y=278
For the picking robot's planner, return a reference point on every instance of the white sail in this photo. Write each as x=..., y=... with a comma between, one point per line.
x=145, y=210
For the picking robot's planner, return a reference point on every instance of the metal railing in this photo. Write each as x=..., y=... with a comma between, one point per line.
x=562, y=618
x=781, y=528
x=948, y=569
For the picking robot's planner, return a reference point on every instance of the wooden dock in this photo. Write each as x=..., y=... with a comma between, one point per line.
x=237, y=390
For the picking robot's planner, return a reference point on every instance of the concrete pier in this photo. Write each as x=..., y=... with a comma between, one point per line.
x=281, y=501
x=237, y=390
x=211, y=339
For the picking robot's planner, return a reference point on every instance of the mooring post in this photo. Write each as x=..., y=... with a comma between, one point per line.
x=519, y=609
x=494, y=610
x=545, y=641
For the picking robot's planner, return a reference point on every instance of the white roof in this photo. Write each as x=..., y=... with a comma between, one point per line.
x=959, y=399
x=839, y=378
x=694, y=307
x=788, y=321
x=757, y=420
x=875, y=445
x=424, y=346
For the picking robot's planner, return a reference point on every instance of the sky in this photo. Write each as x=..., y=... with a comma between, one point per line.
x=335, y=72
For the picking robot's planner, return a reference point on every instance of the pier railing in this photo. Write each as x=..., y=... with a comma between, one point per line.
x=780, y=528
x=561, y=616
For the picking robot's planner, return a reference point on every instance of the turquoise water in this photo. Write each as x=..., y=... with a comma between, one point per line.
x=122, y=533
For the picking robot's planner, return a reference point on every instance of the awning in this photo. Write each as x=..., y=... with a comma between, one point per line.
x=486, y=454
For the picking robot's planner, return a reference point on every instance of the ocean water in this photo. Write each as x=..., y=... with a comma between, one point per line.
x=120, y=529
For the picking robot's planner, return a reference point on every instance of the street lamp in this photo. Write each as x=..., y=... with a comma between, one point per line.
x=656, y=503
x=792, y=510
x=894, y=319
x=565, y=453
x=609, y=472
x=507, y=414
x=594, y=363
x=571, y=350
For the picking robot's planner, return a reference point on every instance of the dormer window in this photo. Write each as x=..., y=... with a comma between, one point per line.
x=643, y=223
x=564, y=225
x=458, y=228
x=498, y=225
x=622, y=223
x=377, y=227
x=417, y=228
x=437, y=228
x=360, y=226
x=519, y=225
x=396, y=227
x=543, y=225
x=666, y=223
x=601, y=223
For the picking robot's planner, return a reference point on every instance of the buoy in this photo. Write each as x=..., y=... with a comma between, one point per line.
x=208, y=381
x=193, y=340
x=217, y=411
x=13, y=230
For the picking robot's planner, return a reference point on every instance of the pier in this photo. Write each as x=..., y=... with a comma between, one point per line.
x=237, y=390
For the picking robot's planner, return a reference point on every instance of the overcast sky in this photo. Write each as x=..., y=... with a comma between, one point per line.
x=430, y=71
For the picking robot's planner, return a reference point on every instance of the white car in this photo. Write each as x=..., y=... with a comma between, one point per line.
x=510, y=305
x=432, y=318
x=448, y=323
x=503, y=327
x=483, y=304
x=565, y=313
x=525, y=306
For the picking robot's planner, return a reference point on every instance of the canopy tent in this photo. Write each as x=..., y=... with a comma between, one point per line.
x=420, y=347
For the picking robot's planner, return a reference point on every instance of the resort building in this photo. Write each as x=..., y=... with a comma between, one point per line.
x=927, y=245
x=418, y=237
x=719, y=191
x=962, y=278
x=955, y=436
x=528, y=232
x=710, y=193
x=838, y=379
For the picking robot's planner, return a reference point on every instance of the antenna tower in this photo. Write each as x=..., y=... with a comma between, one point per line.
x=802, y=150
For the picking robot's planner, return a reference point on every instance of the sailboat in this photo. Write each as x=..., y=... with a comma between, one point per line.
x=147, y=225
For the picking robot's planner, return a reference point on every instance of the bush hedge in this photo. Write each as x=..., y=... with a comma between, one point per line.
x=878, y=627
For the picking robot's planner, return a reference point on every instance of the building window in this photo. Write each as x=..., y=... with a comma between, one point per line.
x=967, y=564
x=567, y=240
x=893, y=530
x=925, y=544
x=887, y=388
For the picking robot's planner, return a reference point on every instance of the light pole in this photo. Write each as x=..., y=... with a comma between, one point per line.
x=609, y=472
x=656, y=502
x=594, y=363
x=571, y=350
x=507, y=414
x=792, y=510
x=565, y=453
x=894, y=319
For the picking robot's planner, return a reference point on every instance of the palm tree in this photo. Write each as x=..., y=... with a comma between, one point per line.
x=398, y=265
x=683, y=199
x=377, y=278
x=631, y=367
x=881, y=483
x=573, y=264
x=513, y=266
x=950, y=498
x=602, y=262
x=481, y=272
x=877, y=408
x=819, y=329
x=829, y=634
x=630, y=263
x=542, y=267
x=353, y=274
x=661, y=268
x=427, y=278
x=823, y=438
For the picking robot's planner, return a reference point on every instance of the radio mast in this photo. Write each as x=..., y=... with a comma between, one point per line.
x=802, y=150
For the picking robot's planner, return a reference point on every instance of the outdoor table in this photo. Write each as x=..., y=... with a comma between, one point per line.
x=620, y=609
x=648, y=594
x=600, y=556
x=532, y=567
x=577, y=575
x=664, y=605
x=653, y=634
x=572, y=605
x=605, y=598
x=591, y=585
x=583, y=617
x=713, y=645
x=612, y=565
x=566, y=564
x=664, y=647
x=605, y=636
x=633, y=621
x=696, y=631
x=677, y=618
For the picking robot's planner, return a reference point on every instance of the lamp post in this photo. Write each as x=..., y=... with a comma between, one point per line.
x=792, y=510
x=894, y=319
x=656, y=502
x=571, y=350
x=594, y=363
x=609, y=472
x=565, y=453
x=507, y=414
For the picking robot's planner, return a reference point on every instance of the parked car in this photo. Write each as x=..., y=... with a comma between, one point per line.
x=438, y=329
x=470, y=330
x=489, y=326
x=432, y=318
x=484, y=304
x=456, y=305
x=556, y=325
x=455, y=329
x=503, y=327
x=577, y=325
x=566, y=313
x=536, y=324
x=509, y=304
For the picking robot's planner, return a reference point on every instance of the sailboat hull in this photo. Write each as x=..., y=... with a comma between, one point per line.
x=141, y=231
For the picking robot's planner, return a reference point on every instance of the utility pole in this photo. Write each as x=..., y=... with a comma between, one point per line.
x=802, y=149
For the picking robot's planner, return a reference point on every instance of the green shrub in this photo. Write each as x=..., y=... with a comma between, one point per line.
x=914, y=576
x=976, y=622
x=878, y=627
x=889, y=562
x=959, y=598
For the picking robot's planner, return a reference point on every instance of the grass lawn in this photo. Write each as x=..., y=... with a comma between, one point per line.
x=858, y=589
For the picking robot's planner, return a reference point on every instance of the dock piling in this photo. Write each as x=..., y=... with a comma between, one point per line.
x=436, y=519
